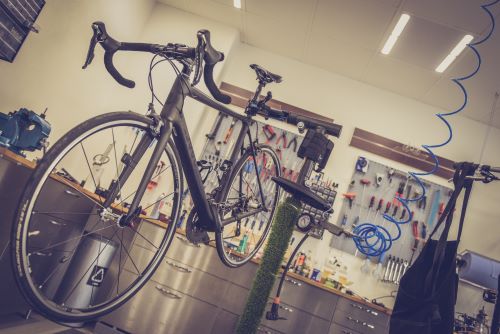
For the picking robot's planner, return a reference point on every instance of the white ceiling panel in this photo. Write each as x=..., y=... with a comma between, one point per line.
x=345, y=37
x=466, y=15
x=293, y=10
x=339, y=57
x=424, y=43
x=281, y=37
x=398, y=76
x=358, y=22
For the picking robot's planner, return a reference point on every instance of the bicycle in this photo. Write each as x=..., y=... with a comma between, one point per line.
x=154, y=145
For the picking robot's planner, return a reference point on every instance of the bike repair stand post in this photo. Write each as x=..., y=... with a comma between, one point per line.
x=281, y=233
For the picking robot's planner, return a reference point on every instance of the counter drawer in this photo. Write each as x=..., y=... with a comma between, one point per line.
x=363, y=312
x=157, y=309
x=336, y=329
x=309, y=298
x=297, y=321
x=358, y=324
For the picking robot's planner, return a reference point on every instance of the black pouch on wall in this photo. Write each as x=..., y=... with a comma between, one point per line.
x=317, y=147
x=425, y=303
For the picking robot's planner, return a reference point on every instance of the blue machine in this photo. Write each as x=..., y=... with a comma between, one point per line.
x=24, y=130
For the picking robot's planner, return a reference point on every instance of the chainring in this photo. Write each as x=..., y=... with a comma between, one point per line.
x=196, y=233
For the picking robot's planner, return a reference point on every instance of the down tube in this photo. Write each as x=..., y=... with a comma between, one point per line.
x=193, y=178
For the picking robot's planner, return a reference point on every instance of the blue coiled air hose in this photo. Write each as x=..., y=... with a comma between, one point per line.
x=376, y=240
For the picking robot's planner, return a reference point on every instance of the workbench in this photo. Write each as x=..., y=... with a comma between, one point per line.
x=192, y=291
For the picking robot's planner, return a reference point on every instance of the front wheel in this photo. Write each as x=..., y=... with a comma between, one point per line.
x=241, y=240
x=70, y=251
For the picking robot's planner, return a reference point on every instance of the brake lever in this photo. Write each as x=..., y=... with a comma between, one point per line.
x=200, y=53
x=96, y=37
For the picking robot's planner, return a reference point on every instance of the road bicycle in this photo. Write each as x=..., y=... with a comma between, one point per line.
x=124, y=160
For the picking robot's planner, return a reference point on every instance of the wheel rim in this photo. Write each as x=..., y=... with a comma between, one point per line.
x=244, y=188
x=123, y=259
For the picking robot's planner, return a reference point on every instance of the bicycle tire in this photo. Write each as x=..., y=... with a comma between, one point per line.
x=235, y=171
x=19, y=259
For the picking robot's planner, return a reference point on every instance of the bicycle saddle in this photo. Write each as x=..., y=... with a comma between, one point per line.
x=264, y=75
x=302, y=193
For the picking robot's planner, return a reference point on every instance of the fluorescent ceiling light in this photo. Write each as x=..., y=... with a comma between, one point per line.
x=398, y=29
x=237, y=4
x=454, y=53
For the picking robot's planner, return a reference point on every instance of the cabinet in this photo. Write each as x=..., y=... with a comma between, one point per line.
x=215, y=295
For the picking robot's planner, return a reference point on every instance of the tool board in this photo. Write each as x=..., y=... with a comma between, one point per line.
x=373, y=182
x=220, y=142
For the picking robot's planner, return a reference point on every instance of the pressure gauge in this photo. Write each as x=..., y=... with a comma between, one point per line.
x=305, y=222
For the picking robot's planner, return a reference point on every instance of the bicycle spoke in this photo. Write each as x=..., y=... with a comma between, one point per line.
x=153, y=178
x=75, y=238
x=128, y=255
x=116, y=162
x=90, y=169
x=119, y=265
x=86, y=271
x=140, y=234
x=162, y=198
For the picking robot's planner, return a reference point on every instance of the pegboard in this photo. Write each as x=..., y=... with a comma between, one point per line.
x=372, y=182
x=285, y=143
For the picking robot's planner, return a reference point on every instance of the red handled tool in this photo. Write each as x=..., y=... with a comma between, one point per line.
x=229, y=131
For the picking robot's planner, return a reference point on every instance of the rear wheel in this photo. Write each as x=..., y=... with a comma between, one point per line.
x=70, y=252
x=240, y=241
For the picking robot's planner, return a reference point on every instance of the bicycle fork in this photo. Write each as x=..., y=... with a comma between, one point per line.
x=131, y=162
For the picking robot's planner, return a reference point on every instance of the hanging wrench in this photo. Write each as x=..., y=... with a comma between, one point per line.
x=387, y=267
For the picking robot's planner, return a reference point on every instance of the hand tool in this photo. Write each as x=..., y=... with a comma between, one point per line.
x=405, y=267
x=414, y=227
x=422, y=204
x=350, y=197
x=355, y=222
x=395, y=210
x=282, y=137
x=261, y=224
x=423, y=232
x=253, y=225
x=344, y=221
x=229, y=131
x=390, y=174
x=387, y=268
x=269, y=133
x=392, y=279
x=293, y=142
x=392, y=264
x=441, y=208
x=387, y=207
x=370, y=207
x=402, y=267
x=377, y=211
x=379, y=178
x=365, y=183
x=403, y=214
x=408, y=191
x=213, y=134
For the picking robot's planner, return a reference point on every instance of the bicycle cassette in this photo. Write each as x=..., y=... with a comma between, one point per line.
x=195, y=233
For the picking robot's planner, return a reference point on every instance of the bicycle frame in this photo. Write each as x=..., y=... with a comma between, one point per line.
x=174, y=126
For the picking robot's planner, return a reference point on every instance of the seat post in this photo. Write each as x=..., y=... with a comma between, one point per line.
x=258, y=90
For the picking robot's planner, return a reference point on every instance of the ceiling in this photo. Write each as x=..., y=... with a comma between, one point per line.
x=345, y=37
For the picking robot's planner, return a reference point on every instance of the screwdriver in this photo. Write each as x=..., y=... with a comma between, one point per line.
x=387, y=207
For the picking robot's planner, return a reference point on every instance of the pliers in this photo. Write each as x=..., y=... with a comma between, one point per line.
x=293, y=142
x=282, y=136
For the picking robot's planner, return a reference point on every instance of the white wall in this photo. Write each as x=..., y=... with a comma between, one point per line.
x=47, y=71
